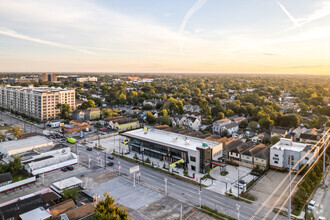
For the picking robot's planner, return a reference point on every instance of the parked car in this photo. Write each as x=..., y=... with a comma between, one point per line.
x=64, y=169
x=110, y=163
x=239, y=185
x=111, y=157
x=311, y=205
x=70, y=167
x=243, y=182
x=254, y=173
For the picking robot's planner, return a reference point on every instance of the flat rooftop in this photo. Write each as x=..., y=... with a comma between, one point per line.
x=288, y=144
x=170, y=139
x=63, y=184
x=27, y=142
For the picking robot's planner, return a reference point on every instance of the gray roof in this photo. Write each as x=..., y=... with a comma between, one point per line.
x=5, y=177
x=231, y=125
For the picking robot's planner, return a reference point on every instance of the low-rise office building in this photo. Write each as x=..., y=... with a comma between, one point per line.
x=197, y=153
x=280, y=154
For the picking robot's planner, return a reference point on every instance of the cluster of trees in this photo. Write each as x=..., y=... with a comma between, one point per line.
x=15, y=168
x=308, y=185
x=107, y=210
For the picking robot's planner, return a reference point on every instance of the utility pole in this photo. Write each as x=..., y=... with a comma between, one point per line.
x=134, y=179
x=289, y=201
x=89, y=162
x=105, y=158
x=165, y=179
x=200, y=198
x=237, y=207
x=323, y=181
x=238, y=182
x=181, y=212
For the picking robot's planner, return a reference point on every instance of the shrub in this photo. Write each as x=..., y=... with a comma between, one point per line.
x=147, y=160
x=185, y=173
x=136, y=157
x=224, y=173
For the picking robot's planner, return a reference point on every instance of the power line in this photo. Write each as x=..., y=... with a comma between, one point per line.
x=285, y=178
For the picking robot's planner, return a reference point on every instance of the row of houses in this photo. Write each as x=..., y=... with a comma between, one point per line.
x=230, y=124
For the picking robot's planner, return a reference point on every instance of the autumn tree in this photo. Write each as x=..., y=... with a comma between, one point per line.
x=16, y=131
x=107, y=210
x=150, y=118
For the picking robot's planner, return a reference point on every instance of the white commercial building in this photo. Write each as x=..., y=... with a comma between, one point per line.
x=281, y=152
x=196, y=153
x=66, y=184
x=9, y=148
x=36, y=102
x=49, y=161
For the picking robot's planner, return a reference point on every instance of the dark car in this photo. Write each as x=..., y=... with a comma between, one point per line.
x=111, y=157
x=64, y=169
x=242, y=182
x=89, y=148
x=69, y=167
x=110, y=163
x=254, y=173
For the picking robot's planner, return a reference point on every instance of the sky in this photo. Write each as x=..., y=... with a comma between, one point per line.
x=188, y=36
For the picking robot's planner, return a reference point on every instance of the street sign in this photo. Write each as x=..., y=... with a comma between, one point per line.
x=134, y=169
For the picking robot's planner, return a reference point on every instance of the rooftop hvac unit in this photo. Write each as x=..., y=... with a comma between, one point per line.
x=204, y=144
x=187, y=142
x=175, y=139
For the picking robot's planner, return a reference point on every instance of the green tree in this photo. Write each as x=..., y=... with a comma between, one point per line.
x=243, y=124
x=2, y=137
x=109, y=113
x=265, y=122
x=197, y=91
x=72, y=193
x=122, y=99
x=230, y=113
x=150, y=118
x=107, y=210
x=274, y=140
x=88, y=104
x=165, y=120
x=16, y=131
x=65, y=110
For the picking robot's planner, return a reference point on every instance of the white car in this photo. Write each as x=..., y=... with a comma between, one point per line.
x=239, y=185
x=321, y=218
x=311, y=205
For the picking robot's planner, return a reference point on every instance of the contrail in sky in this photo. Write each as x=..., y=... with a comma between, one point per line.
x=198, y=5
x=294, y=21
x=14, y=34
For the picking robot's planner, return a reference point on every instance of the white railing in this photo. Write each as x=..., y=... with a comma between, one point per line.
x=17, y=184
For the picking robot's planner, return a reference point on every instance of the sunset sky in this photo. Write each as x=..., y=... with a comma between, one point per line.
x=214, y=36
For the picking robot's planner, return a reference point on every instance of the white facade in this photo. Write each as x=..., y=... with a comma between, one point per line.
x=280, y=154
x=217, y=125
x=9, y=148
x=50, y=160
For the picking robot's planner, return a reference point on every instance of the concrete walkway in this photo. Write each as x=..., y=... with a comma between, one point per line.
x=322, y=199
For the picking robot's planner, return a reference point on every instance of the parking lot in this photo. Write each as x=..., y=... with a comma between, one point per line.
x=267, y=184
x=221, y=182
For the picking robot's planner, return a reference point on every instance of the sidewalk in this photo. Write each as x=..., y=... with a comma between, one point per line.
x=177, y=171
x=322, y=199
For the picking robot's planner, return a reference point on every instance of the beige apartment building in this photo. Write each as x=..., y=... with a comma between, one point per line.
x=36, y=102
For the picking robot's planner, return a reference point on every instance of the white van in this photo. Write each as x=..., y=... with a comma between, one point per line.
x=311, y=205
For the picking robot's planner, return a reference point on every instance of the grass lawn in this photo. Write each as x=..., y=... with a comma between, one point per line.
x=19, y=177
x=5, y=127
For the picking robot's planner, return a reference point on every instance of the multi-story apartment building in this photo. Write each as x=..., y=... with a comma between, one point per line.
x=36, y=102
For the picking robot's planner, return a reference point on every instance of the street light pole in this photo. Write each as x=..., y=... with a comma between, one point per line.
x=323, y=181
x=289, y=201
x=237, y=182
x=165, y=179
x=237, y=207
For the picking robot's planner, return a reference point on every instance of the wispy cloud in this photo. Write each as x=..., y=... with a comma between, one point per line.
x=14, y=34
x=294, y=21
x=321, y=12
x=198, y=5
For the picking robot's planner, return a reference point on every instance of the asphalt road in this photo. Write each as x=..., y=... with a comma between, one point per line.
x=180, y=190
x=27, y=127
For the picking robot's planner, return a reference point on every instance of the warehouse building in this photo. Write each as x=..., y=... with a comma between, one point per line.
x=197, y=153
x=49, y=161
x=9, y=148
